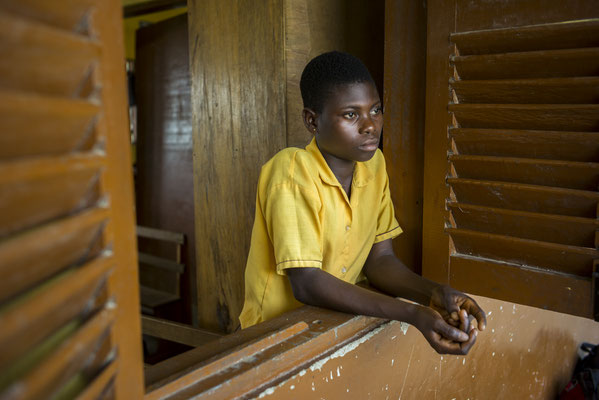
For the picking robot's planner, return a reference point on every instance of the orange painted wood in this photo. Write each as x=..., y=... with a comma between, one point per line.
x=564, y=174
x=48, y=249
x=72, y=15
x=50, y=375
x=581, y=90
x=41, y=125
x=553, y=145
x=571, y=231
x=30, y=202
x=99, y=385
x=117, y=182
x=533, y=287
x=568, y=117
x=563, y=258
x=28, y=321
x=36, y=59
x=532, y=198
x=247, y=353
x=558, y=35
x=531, y=64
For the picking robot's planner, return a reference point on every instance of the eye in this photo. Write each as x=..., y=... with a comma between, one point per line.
x=376, y=110
x=350, y=115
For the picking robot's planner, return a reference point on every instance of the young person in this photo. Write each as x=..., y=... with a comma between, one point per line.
x=324, y=220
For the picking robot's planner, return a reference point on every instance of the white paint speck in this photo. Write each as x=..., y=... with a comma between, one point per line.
x=511, y=339
x=492, y=330
x=338, y=373
x=291, y=387
x=472, y=376
x=493, y=354
x=501, y=308
x=346, y=349
x=404, y=327
x=392, y=362
x=464, y=361
x=490, y=312
x=331, y=375
x=393, y=337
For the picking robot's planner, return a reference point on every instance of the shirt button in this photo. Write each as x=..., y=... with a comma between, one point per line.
x=343, y=270
x=347, y=228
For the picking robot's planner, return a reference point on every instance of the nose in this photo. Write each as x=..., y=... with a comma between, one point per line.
x=368, y=125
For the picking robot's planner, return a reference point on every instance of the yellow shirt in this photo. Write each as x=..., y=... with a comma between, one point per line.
x=304, y=219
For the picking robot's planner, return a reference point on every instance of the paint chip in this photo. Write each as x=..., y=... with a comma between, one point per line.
x=464, y=361
x=493, y=355
x=392, y=362
x=292, y=387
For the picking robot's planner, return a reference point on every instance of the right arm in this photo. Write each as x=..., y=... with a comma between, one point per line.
x=316, y=287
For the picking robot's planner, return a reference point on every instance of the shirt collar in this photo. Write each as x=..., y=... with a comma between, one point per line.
x=362, y=173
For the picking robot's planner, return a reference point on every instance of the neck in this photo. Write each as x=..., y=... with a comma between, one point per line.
x=342, y=169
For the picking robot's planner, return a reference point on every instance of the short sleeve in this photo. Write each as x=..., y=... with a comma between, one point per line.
x=294, y=226
x=387, y=226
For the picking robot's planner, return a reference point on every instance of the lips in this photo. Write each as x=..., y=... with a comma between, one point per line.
x=369, y=145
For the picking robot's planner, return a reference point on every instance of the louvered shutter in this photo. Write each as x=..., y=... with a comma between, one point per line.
x=520, y=192
x=68, y=283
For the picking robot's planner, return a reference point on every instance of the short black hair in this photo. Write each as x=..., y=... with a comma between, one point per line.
x=326, y=71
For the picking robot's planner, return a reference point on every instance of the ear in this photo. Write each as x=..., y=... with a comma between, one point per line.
x=310, y=117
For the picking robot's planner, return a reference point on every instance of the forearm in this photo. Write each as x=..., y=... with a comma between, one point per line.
x=388, y=274
x=321, y=289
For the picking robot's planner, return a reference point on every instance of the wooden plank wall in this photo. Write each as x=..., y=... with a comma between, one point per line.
x=403, y=138
x=238, y=103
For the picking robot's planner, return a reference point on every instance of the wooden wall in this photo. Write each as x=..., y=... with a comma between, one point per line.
x=238, y=102
x=403, y=138
x=245, y=65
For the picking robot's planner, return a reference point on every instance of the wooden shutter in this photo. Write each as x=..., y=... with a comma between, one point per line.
x=68, y=283
x=518, y=199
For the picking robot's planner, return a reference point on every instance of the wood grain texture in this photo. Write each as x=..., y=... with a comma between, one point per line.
x=39, y=52
x=578, y=90
x=440, y=23
x=552, y=145
x=567, y=117
x=72, y=16
x=117, y=181
x=533, y=64
x=558, y=35
x=313, y=27
x=537, y=288
x=403, y=138
x=564, y=174
x=532, y=198
x=238, y=101
x=527, y=225
x=570, y=260
x=496, y=14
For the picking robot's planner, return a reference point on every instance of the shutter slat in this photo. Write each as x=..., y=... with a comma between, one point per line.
x=568, y=259
x=533, y=64
x=66, y=14
x=564, y=174
x=39, y=190
x=100, y=384
x=38, y=125
x=532, y=198
x=565, y=117
x=526, y=225
x=50, y=375
x=49, y=307
x=579, y=90
x=35, y=57
x=534, y=287
x=559, y=35
x=46, y=250
x=554, y=145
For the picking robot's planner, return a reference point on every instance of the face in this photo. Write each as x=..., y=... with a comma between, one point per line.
x=349, y=127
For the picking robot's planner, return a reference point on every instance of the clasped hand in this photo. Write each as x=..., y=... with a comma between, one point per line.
x=446, y=324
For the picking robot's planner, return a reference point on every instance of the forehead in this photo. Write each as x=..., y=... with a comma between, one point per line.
x=357, y=94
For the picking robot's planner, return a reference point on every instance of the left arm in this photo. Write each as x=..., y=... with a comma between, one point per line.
x=388, y=274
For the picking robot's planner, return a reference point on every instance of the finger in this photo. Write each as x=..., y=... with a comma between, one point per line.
x=466, y=346
x=445, y=346
x=473, y=308
x=449, y=332
x=464, y=321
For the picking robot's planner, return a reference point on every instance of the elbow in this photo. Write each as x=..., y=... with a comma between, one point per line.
x=303, y=282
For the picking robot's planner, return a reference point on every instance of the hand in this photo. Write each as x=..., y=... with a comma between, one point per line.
x=442, y=337
x=448, y=302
